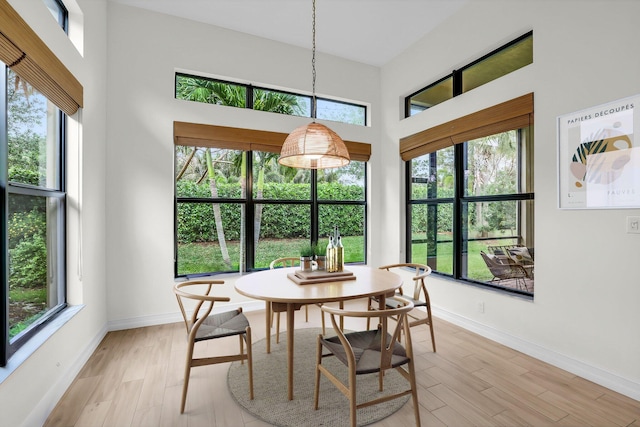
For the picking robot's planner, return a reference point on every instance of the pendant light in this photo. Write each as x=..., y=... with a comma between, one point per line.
x=314, y=146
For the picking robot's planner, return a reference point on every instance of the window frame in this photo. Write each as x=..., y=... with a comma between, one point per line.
x=516, y=114
x=249, y=202
x=457, y=75
x=9, y=347
x=249, y=101
x=63, y=13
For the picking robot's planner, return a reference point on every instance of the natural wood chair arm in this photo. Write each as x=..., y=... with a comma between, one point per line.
x=367, y=313
x=200, y=297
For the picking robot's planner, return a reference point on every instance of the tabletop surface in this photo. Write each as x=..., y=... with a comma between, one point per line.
x=275, y=286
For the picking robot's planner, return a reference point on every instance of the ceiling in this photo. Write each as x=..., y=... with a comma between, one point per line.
x=368, y=31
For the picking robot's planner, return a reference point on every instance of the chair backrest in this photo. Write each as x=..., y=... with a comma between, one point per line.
x=388, y=340
x=421, y=271
x=284, y=262
x=198, y=291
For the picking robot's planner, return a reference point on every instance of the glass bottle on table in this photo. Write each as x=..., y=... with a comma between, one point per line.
x=339, y=255
x=330, y=258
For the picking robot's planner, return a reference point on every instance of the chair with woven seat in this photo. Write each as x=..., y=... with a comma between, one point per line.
x=368, y=352
x=419, y=296
x=278, y=307
x=202, y=325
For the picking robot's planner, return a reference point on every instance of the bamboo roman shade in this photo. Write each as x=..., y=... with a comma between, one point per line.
x=25, y=53
x=200, y=135
x=514, y=114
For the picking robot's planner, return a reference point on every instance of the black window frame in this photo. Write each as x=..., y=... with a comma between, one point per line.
x=458, y=201
x=7, y=347
x=63, y=13
x=250, y=202
x=250, y=95
x=456, y=75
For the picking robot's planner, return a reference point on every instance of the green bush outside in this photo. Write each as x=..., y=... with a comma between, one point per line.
x=196, y=222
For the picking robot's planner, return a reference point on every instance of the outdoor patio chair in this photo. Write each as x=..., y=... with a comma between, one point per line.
x=505, y=269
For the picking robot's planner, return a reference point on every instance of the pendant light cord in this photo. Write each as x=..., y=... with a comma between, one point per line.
x=313, y=59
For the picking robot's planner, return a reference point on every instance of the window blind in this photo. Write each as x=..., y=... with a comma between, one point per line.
x=513, y=114
x=25, y=53
x=201, y=135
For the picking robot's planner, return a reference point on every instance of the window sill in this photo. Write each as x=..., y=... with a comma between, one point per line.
x=30, y=347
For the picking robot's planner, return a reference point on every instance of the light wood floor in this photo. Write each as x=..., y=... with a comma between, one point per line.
x=135, y=379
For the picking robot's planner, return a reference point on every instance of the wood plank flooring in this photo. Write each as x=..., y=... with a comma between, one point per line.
x=134, y=379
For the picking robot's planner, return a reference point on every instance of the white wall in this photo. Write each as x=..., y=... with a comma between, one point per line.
x=145, y=50
x=29, y=393
x=585, y=313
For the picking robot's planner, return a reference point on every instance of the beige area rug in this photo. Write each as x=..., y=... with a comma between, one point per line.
x=270, y=402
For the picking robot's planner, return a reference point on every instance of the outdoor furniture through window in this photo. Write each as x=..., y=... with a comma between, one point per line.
x=505, y=269
x=517, y=254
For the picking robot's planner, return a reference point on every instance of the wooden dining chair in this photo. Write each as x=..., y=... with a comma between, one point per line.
x=419, y=296
x=366, y=352
x=279, y=307
x=202, y=325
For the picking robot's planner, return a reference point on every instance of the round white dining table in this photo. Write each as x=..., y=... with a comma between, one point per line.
x=275, y=286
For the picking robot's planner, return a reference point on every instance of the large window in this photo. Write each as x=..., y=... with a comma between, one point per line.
x=220, y=92
x=237, y=210
x=32, y=141
x=470, y=205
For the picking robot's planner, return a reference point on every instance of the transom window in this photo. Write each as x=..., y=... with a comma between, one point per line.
x=212, y=91
x=59, y=12
x=502, y=61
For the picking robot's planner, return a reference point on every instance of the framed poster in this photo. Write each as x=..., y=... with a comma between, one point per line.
x=599, y=156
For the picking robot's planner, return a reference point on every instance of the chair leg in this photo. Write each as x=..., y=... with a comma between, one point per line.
x=414, y=392
x=430, y=323
x=249, y=360
x=316, y=390
x=187, y=374
x=306, y=313
x=277, y=327
x=352, y=397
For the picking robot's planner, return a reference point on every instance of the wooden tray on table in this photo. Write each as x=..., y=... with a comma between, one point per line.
x=309, y=278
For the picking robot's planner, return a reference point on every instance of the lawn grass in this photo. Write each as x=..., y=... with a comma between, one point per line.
x=206, y=257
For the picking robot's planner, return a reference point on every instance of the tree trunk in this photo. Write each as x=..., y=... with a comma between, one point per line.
x=216, y=211
x=258, y=219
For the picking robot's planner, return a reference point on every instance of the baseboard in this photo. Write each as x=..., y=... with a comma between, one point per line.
x=161, y=319
x=589, y=372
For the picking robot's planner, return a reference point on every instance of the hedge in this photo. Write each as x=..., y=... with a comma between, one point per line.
x=196, y=221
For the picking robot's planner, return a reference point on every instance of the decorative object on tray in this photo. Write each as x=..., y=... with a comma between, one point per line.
x=335, y=252
x=306, y=257
x=308, y=278
x=320, y=258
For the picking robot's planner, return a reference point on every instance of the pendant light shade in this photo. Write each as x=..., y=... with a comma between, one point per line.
x=314, y=146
